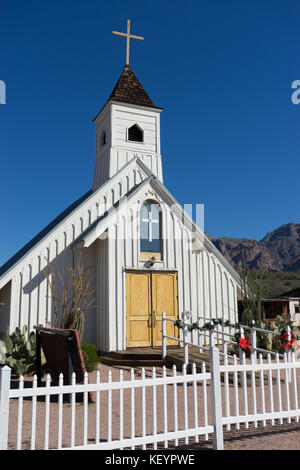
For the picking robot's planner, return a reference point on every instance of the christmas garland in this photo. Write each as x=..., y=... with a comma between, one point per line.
x=209, y=325
x=243, y=342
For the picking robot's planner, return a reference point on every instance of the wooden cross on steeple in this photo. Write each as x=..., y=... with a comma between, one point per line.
x=128, y=37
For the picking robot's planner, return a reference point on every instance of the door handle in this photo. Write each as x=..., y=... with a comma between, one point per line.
x=154, y=319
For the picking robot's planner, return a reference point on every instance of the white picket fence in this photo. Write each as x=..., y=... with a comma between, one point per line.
x=167, y=408
x=154, y=403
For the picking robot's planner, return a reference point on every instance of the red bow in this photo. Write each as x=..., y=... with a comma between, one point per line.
x=244, y=343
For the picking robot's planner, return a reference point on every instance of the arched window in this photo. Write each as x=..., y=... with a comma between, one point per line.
x=135, y=133
x=150, y=223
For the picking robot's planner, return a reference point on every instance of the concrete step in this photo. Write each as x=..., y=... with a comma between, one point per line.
x=132, y=362
x=138, y=356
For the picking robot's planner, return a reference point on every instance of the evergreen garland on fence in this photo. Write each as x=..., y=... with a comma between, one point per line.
x=209, y=325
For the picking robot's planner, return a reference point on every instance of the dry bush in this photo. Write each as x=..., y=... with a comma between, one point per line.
x=73, y=300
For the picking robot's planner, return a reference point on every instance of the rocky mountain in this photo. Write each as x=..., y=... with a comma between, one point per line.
x=278, y=250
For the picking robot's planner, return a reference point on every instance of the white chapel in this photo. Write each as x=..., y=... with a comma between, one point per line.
x=144, y=253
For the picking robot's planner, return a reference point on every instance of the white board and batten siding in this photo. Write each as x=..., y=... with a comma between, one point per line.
x=5, y=301
x=205, y=287
x=24, y=288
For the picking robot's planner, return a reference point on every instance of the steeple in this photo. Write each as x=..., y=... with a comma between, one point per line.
x=127, y=126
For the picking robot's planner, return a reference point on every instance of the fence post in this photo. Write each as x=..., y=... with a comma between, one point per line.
x=289, y=354
x=224, y=344
x=212, y=336
x=216, y=397
x=242, y=355
x=199, y=337
x=164, y=333
x=184, y=334
x=242, y=335
x=253, y=342
x=4, y=405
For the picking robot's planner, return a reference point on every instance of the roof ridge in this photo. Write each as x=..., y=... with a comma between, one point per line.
x=45, y=231
x=42, y=233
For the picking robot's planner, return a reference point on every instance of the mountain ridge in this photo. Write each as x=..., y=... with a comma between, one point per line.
x=278, y=250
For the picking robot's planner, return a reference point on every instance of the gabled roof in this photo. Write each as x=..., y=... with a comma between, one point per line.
x=8, y=265
x=100, y=225
x=291, y=293
x=86, y=238
x=91, y=229
x=42, y=234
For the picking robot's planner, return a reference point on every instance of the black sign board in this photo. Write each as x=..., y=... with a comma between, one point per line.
x=63, y=354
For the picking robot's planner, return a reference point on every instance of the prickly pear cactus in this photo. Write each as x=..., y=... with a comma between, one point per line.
x=20, y=351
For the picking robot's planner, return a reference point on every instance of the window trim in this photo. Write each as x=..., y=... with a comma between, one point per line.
x=146, y=255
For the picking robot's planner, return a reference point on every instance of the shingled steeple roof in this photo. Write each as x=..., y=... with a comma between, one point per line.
x=129, y=90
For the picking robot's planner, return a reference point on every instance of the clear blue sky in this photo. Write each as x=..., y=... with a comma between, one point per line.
x=222, y=71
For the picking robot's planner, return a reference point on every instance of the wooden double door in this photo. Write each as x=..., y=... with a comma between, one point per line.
x=148, y=294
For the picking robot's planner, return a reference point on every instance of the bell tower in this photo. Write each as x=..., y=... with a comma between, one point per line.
x=127, y=126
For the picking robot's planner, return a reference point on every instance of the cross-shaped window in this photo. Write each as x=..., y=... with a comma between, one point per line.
x=150, y=228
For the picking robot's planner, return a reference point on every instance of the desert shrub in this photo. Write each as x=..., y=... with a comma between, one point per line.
x=90, y=356
x=69, y=309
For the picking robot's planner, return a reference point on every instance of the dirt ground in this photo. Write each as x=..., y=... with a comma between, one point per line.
x=275, y=437
x=278, y=437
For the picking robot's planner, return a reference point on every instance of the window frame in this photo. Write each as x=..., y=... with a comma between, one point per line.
x=147, y=255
